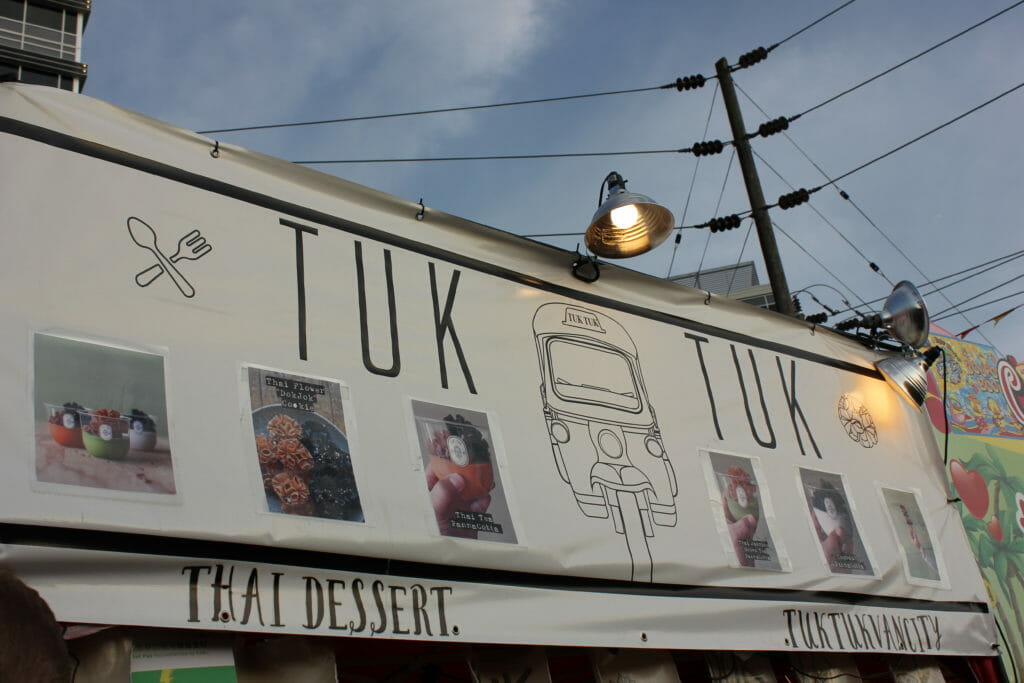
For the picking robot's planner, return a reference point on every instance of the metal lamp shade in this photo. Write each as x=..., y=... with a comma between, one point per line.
x=654, y=223
x=908, y=377
x=906, y=316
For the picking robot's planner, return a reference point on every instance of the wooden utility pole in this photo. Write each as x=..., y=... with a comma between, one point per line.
x=769, y=249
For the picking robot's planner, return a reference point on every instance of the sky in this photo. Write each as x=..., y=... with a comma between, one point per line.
x=943, y=204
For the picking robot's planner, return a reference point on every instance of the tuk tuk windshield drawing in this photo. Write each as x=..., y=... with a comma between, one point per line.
x=573, y=366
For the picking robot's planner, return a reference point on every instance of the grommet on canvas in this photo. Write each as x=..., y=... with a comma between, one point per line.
x=215, y=152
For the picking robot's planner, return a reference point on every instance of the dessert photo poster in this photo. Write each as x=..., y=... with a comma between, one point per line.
x=100, y=416
x=740, y=505
x=920, y=559
x=832, y=518
x=301, y=442
x=463, y=480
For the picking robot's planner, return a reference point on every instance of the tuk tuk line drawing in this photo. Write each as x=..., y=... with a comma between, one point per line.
x=603, y=430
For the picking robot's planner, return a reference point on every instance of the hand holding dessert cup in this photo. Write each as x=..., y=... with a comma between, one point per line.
x=460, y=474
x=742, y=509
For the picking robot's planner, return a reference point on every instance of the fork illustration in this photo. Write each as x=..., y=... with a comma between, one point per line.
x=191, y=247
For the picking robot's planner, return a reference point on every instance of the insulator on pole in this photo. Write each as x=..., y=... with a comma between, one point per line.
x=690, y=82
x=772, y=127
x=724, y=223
x=707, y=148
x=788, y=201
x=753, y=57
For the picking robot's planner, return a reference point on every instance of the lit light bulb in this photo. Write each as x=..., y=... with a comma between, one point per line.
x=625, y=217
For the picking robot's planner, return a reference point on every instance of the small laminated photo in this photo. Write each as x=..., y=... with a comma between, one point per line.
x=101, y=416
x=835, y=527
x=301, y=444
x=920, y=559
x=463, y=480
x=739, y=503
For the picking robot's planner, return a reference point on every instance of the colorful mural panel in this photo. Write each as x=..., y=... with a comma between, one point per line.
x=982, y=432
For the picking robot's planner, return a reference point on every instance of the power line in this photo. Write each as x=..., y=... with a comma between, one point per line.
x=445, y=110
x=968, y=277
x=846, y=196
x=680, y=84
x=972, y=298
x=732, y=278
x=811, y=25
x=820, y=264
x=922, y=136
x=693, y=181
x=1002, y=261
x=718, y=204
x=504, y=157
x=493, y=157
x=987, y=303
x=907, y=61
x=871, y=264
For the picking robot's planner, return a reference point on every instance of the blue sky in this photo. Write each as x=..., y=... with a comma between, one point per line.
x=949, y=202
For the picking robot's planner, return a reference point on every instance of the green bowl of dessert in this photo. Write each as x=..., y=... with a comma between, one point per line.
x=105, y=433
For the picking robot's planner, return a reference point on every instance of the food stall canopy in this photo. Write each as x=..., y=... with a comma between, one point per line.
x=239, y=394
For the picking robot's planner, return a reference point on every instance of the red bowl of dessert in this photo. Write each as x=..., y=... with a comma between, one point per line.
x=64, y=424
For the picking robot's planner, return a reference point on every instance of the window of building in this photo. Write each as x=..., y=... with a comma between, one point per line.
x=38, y=77
x=12, y=9
x=45, y=17
x=46, y=31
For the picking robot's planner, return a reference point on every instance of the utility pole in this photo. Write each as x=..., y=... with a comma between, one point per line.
x=769, y=249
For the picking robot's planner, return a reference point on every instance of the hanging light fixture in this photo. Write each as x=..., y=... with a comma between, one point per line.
x=626, y=224
x=909, y=376
x=905, y=317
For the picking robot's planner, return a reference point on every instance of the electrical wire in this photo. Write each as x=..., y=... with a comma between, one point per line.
x=442, y=110
x=831, y=181
x=1003, y=260
x=678, y=85
x=972, y=298
x=917, y=139
x=842, y=193
x=908, y=60
x=693, y=181
x=922, y=135
x=965, y=278
x=1009, y=650
x=811, y=25
x=495, y=157
x=732, y=279
x=820, y=264
x=829, y=223
x=846, y=196
x=987, y=303
x=718, y=204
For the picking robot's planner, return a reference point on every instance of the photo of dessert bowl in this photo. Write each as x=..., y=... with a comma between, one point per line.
x=105, y=433
x=142, y=432
x=64, y=425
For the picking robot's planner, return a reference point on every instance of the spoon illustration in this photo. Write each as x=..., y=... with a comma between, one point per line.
x=145, y=237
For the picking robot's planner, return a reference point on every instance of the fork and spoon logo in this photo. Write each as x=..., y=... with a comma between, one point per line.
x=191, y=247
